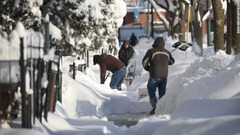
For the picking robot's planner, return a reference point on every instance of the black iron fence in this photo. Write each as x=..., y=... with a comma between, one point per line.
x=29, y=84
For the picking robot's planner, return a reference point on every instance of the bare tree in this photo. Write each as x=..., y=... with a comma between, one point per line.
x=219, y=20
x=173, y=14
x=236, y=26
x=198, y=6
x=230, y=6
x=182, y=21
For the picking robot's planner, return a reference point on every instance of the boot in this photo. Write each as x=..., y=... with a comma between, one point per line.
x=152, y=111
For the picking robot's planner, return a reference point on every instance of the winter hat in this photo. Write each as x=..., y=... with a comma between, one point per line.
x=95, y=59
x=159, y=42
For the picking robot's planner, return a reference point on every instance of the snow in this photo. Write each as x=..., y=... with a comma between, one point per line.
x=202, y=98
x=55, y=32
x=32, y=42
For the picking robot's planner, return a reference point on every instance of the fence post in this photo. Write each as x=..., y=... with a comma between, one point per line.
x=39, y=90
x=51, y=90
x=87, y=58
x=48, y=91
x=74, y=70
x=47, y=38
x=23, y=87
x=59, y=79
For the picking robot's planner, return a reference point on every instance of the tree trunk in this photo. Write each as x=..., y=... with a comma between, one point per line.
x=218, y=25
x=234, y=7
x=198, y=24
x=182, y=22
x=173, y=29
x=236, y=27
x=229, y=27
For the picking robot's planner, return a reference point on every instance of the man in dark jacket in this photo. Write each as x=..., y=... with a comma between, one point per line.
x=110, y=63
x=133, y=40
x=156, y=61
x=125, y=53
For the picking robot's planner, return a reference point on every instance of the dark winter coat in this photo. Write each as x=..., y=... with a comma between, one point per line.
x=125, y=54
x=107, y=62
x=157, y=59
x=133, y=40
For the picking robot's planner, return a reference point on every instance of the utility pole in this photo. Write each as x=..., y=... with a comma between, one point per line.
x=148, y=20
x=152, y=19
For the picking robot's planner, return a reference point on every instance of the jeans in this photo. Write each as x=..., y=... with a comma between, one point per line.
x=117, y=78
x=153, y=84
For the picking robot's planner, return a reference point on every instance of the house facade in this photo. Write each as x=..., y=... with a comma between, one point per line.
x=142, y=16
x=138, y=20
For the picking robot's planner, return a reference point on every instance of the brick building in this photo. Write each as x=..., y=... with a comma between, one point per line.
x=139, y=20
x=138, y=16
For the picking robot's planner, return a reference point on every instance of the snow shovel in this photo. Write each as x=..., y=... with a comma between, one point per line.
x=106, y=76
x=181, y=45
